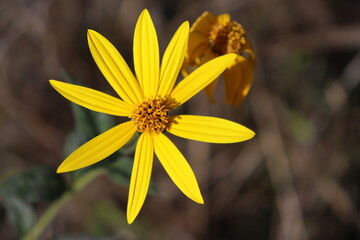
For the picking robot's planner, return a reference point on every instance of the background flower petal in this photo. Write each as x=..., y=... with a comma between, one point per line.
x=238, y=80
x=146, y=55
x=204, y=23
x=140, y=176
x=99, y=147
x=177, y=167
x=246, y=82
x=209, y=89
x=92, y=99
x=210, y=129
x=201, y=77
x=114, y=68
x=232, y=80
x=197, y=42
x=173, y=59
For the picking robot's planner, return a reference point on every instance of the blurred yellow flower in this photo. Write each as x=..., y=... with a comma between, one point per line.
x=212, y=36
x=147, y=100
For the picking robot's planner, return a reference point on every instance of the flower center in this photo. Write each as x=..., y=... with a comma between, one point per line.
x=227, y=39
x=151, y=115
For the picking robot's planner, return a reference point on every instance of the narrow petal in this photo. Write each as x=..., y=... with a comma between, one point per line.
x=232, y=79
x=195, y=40
x=146, y=55
x=201, y=77
x=177, y=167
x=210, y=129
x=204, y=23
x=249, y=49
x=209, y=89
x=140, y=176
x=246, y=82
x=238, y=80
x=173, y=58
x=114, y=68
x=198, y=52
x=92, y=99
x=99, y=147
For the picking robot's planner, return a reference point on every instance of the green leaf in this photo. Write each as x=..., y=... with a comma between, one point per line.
x=19, y=214
x=34, y=185
x=103, y=122
x=120, y=170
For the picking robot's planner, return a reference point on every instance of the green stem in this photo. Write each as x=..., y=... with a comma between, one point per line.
x=56, y=206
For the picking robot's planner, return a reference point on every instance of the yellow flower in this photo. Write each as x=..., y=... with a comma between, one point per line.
x=147, y=100
x=212, y=36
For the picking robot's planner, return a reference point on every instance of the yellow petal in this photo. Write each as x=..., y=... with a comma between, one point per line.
x=99, y=147
x=209, y=89
x=172, y=59
x=114, y=68
x=223, y=19
x=246, y=82
x=238, y=80
x=196, y=40
x=199, y=51
x=140, y=176
x=177, y=167
x=209, y=129
x=92, y=99
x=146, y=55
x=204, y=23
x=232, y=79
x=201, y=77
x=249, y=49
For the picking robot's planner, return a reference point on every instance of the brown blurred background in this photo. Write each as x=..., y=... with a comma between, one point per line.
x=297, y=179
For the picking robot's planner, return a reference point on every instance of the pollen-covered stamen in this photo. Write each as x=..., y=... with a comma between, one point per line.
x=229, y=38
x=151, y=115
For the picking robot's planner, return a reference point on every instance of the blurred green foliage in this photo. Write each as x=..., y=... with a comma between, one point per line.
x=41, y=184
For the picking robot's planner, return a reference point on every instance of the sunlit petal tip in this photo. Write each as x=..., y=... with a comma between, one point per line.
x=251, y=134
x=53, y=82
x=145, y=11
x=186, y=24
x=91, y=33
x=199, y=200
x=130, y=219
x=60, y=170
x=145, y=14
x=185, y=27
x=63, y=168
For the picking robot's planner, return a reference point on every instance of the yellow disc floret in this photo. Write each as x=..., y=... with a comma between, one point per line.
x=229, y=38
x=151, y=115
